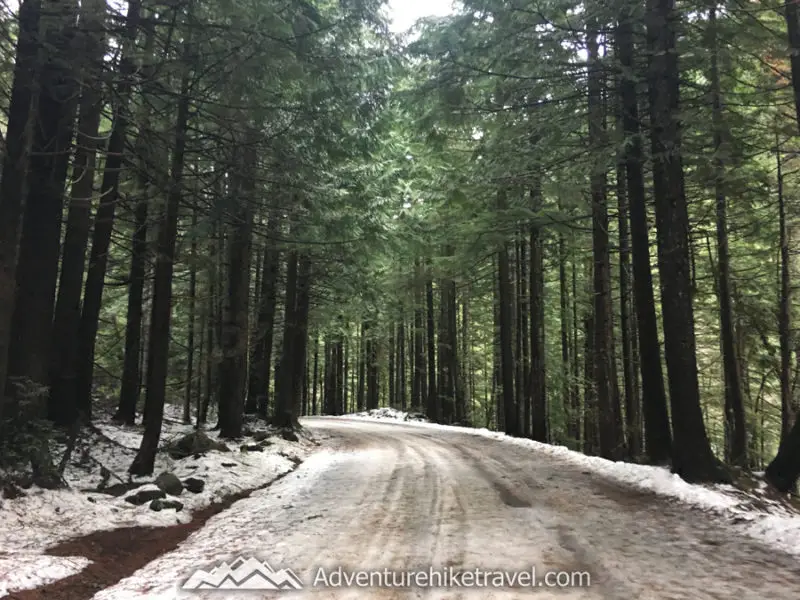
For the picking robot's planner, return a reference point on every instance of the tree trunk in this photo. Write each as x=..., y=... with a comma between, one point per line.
x=373, y=389
x=734, y=401
x=131, y=373
x=301, y=335
x=611, y=438
x=573, y=432
x=13, y=188
x=40, y=242
x=525, y=339
x=283, y=415
x=538, y=378
x=261, y=359
x=466, y=357
x=692, y=456
x=785, y=305
x=341, y=408
x=346, y=375
x=316, y=376
x=657, y=435
x=434, y=404
x=104, y=221
x=187, y=401
x=418, y=399
x=506, y=340
x=792, y=14
x=520, y=391
x=362, y=368
x=392, y=366
x=68, y=303
x=401, y=364
x=591, y=436
x=160, y=319
x=784, y=470
x=632, y=400
x=576, y=361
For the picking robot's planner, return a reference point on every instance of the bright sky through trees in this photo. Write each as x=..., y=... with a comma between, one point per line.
x=405, y=12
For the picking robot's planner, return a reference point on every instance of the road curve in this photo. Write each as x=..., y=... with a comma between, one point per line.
x=400, y=497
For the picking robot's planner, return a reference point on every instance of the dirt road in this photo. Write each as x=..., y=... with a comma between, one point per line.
x=400, y=497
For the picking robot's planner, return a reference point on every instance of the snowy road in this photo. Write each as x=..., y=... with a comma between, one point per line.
x=401, y=497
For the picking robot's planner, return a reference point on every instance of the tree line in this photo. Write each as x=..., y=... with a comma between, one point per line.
x=569, y=221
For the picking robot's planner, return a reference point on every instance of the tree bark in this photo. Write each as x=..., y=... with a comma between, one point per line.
x=632, y=400
x=418, y=399
x=315, y=376
x=538, y=378
x=131, y=374
x=573, y=431
x=511, y=426
x=261, y=359
x=657, y=434
x=434, y=404
x=13, y=181
x=190, y=351
x=40, y=242
x=66, y=320
x=104, y=220
x=161, y=313
x=283, y=415
x=692, y=457
x=734, y=400
x=611, y=437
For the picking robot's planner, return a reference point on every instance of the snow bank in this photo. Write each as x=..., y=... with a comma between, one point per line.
x=23, y=572
x=42, y=518
x=382, y=414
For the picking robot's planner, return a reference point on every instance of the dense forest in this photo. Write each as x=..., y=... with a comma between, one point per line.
x=568, y=221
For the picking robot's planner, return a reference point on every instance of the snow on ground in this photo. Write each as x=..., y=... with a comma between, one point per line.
x=42, y=518
x=240, y=526
x=763, y=519
x=26, y=571
x=388, y=413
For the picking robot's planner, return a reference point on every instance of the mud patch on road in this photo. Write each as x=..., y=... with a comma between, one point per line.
x=504, y=491
x=627, y=496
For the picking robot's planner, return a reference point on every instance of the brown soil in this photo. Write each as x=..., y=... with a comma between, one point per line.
x=118, y=553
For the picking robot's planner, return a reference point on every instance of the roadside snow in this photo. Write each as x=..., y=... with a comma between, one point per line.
x=43, y=518
x=241, y=526
x=23, y=572
x=772, y=523
x=382, y=414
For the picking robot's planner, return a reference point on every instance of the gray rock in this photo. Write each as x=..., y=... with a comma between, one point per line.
x=194, y=444
x=260, y=436
x=143, y=496
x=169, y=483
x=159, y=505
x=194, y=484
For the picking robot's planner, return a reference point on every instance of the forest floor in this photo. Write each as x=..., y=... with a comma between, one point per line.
x=52, y=536
x=409, y=494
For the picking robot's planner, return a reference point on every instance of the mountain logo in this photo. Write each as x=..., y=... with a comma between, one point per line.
x=243, y=574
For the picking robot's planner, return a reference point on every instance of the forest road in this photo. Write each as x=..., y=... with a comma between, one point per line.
x=400, y=497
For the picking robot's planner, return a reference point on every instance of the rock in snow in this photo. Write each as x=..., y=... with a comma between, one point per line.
x=169, y=483
x=194, y=485
x=144, y=495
